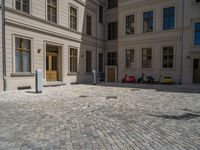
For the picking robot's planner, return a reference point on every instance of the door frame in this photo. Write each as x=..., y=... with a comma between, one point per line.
x=50, y=55
x=60, y=56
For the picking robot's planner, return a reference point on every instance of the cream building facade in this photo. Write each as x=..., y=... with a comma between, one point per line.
x=157, y=38
x=67, y=39
x=51, y=35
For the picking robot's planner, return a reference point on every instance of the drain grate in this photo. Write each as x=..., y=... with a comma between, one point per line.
x=83, y=96
x=111, y=97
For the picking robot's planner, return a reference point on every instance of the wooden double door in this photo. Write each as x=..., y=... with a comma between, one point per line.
x=196, y=71
x=52, y=67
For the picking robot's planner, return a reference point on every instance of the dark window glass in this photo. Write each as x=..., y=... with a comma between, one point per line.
x=168, y=18
x=89, y=25
x=197, y=33
x=23, y=5
x=112, y=31
x=112, y=4
x=22, y=55
x=168, y=57
x=130, y=20
x=88, y=61
x=100, y=62
x=112, y=59
x=73, y=60
x=148, y=21
x=73, y=18
x=101, y=14
x=52, y=10
x=130, y=58
x=146, y=57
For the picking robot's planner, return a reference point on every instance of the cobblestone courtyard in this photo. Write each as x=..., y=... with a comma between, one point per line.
x=84, y=117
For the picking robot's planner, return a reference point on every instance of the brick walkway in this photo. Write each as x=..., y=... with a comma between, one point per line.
x=83, y=117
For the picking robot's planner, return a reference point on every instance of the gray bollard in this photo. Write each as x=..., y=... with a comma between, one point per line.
x=38, y=81
x=94, y=77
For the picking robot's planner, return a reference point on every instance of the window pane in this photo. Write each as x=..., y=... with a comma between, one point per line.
x=26, y=61
x=168, y=18
x=18, y=4
x=17, y=61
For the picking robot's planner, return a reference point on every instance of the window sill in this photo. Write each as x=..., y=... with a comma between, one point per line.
x=22, y=74
x=73, y=74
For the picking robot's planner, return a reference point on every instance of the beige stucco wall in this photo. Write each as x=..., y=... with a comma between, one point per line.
x=35, y=27
x=158, y=38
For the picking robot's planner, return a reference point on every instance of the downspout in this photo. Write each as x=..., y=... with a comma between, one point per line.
x=4, y=47
x=183, y=22
x=96, y=62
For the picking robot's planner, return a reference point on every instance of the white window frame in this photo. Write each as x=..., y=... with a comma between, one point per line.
x=69, y=6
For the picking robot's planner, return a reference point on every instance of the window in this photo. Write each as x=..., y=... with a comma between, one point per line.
x=198, y=1
x=88, y=61
x=112, y=59
x=73, y=60
x=52, y=10
x=168, y=18
x=168, y=57
x=146, y=57
x=148, y=21
x=112, y=4
x=22, y=55
x=23, y=5
x=130, y=58
x=130, y=24
x=100, y=62
x=89, y=25
x=197, y=33
x=73, y=18
x=112, y=31
x=101, y=14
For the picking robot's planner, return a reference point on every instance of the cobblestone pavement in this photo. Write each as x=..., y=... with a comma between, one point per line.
x=85, y=117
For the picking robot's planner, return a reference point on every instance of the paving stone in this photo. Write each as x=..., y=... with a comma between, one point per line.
x=109, y=116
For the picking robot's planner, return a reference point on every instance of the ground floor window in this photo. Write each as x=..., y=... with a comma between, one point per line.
x=100, y=62
x=129, y=58
x=22, y=55
x=112, y=59
x=88, y=61
x=146, y=58
x=73, y=60
x=168, y=57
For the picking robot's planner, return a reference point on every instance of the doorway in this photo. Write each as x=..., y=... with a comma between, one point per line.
x=52, y=63
x=196, y=71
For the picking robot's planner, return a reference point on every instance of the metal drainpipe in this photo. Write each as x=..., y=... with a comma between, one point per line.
x=96, y=62
x=4, y=47
x=183, y=22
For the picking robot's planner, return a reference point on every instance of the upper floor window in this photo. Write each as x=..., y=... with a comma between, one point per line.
x=146, y=57
x=101, y=14
x=112, y=31
x=129, y=58
x=130, y=20
x=89, y=25
x=23, y=5
x=22, y=55
x=168, y=18
x=112, y=3
x=73, y=18
x=168, y=57
x=52, y=10
x=197, y=34
x=148, y=21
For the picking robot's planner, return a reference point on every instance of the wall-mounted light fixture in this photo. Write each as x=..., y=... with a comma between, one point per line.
x=39, y=50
